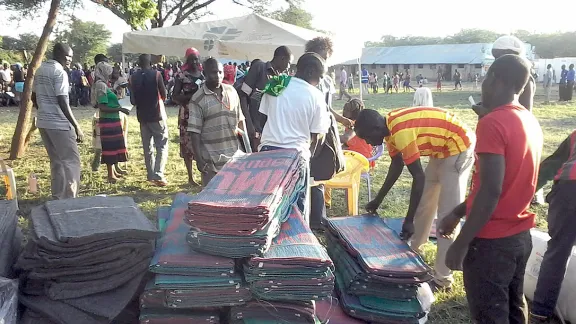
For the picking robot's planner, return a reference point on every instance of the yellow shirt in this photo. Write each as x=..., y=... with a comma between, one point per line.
x=426, y=131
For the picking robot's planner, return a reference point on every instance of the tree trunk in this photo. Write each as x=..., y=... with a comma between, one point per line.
x=23, y=125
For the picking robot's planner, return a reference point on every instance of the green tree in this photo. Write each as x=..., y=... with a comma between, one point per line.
x=294, y=15
x=115, y=54
x=471, y=36
x=138, y=10
x=86, y=38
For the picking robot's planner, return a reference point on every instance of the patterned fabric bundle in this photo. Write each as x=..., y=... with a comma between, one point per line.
x=329, y=311
x=378, y=277
x=188, y=286
x=244, y=196
x=274, y=312
x=240, y=211
x=86, y=258
x=296, y=268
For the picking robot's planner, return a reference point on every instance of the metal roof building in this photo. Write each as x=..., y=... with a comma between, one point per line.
x=431, y=54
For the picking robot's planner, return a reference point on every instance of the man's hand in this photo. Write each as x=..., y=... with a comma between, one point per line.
x=347, y=122
x=372, y=206
x=202, y=166
x=407, y=230
x=455, y=255
x=447, y=225
x=79, y=135
x=480, y=110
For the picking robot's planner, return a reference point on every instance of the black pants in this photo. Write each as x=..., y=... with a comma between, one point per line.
x=569, y=90
x=562, y=230
x=562, y=91
x=494, y=279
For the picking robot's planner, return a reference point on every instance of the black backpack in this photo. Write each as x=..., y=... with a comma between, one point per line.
x=329, y=161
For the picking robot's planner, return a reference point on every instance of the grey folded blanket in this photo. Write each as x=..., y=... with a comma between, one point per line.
x=57, y=311
x=83, y=220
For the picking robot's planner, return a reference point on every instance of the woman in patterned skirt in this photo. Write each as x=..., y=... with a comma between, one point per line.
x=109, y=123
x=187, y=82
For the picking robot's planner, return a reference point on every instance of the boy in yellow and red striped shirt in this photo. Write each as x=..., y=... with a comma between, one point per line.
x=412, y=133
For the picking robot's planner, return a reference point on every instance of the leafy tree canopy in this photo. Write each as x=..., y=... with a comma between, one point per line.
x=86, y=39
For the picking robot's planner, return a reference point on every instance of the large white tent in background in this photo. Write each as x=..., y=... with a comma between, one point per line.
x=242, y=38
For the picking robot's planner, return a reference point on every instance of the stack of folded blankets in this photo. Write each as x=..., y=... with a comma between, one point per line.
x=296, y=267
x=85, y=260
x=10, y=237
x=240, y=211
x=295, y=271
x=188, y=285
x=378, y=277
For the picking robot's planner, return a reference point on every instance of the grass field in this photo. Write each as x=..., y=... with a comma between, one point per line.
x=557, y=122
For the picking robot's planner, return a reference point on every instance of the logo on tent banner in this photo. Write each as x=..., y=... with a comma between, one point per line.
x=219, y=33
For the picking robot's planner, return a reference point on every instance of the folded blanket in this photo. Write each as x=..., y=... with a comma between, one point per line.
x=58, y=311
x=276, y=312
x=83, y=220
x=8, y=238
x=377, y=248
x=167, y=316
x=67, y=290
x=329, y=311
x=175, y=256
x=110, y=303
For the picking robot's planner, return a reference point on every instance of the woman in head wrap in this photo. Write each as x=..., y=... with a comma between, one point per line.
x=187, y=82
x=109, y=123
x=423, y=98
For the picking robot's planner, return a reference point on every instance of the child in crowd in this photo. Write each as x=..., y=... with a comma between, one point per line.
x=349, y=139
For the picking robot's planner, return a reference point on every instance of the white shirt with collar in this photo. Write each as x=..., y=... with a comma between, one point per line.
x=297, y=112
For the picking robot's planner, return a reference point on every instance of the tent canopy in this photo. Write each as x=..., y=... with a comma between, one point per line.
x=242, y=38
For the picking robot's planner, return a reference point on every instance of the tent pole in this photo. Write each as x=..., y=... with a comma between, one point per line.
x=123, y=61
x=360, y=76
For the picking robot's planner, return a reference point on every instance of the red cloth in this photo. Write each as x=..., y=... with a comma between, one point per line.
x=515, y=133
x=359, y=145
x=229, y=74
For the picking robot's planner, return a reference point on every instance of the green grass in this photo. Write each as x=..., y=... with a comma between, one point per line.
x=557, y=122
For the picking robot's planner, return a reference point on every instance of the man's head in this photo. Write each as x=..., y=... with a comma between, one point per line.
x=571, y=67
x=508, y=45
x=5, y=66
x=352, y=108
x=322, y=46
x=213, y=73
x=144, y=61
x=62, y=53
x=310, y=68
x=371, y=127
x=282, y=58
x=505, y=80
x=549, y=66
x=100, y=58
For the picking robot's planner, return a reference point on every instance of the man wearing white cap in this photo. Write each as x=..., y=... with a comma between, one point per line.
x=512, y=45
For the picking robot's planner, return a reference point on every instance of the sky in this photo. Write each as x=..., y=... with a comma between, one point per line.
x=364, y=20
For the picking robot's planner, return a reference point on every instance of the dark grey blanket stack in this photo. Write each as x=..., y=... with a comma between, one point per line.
x=10, y=237
x=85, y=260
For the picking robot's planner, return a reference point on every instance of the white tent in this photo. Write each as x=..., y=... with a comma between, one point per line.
x=243, y=38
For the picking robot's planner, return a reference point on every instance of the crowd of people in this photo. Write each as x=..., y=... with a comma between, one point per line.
x=279, y=110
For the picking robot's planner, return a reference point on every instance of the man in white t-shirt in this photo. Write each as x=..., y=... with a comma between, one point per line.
x=297, y=114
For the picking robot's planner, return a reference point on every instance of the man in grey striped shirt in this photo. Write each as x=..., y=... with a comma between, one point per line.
x=59, y=129
x=215, y=114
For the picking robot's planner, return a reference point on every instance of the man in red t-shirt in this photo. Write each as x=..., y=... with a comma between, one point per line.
x=494, y=245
